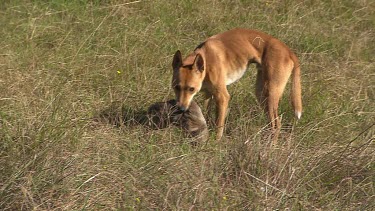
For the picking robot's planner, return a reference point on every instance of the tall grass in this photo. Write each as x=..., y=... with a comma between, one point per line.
x=75, y=76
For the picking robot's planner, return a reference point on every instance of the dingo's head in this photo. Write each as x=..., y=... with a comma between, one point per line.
x=187, y=79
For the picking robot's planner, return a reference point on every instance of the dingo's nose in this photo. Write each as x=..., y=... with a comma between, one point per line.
x=182, y=108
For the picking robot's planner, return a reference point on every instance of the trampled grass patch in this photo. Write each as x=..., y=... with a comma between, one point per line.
x=76, y=76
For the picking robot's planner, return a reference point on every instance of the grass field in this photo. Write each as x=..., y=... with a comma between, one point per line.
x=74, y=76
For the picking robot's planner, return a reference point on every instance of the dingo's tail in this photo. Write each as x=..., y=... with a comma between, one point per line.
x=296, y=88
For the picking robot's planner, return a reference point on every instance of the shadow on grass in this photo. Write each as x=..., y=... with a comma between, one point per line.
x=159, y=115
x=119, y=115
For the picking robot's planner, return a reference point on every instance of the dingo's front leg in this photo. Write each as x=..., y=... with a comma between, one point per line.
x=208, y=100
x=222, y=99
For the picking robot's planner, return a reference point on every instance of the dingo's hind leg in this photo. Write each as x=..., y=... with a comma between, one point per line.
x=260, y=88
x=277, y=77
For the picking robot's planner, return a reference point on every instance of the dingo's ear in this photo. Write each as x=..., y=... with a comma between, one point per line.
x=199, y=63
x=177, y=60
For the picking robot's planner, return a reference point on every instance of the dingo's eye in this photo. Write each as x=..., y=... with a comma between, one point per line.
x=177, y=87
x=191, y=89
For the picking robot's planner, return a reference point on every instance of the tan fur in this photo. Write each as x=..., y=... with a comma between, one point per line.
x=223, y=58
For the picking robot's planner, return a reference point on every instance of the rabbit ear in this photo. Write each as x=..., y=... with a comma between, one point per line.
x=177, y=60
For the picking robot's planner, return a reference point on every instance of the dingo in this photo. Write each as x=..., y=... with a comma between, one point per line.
x=223, y=59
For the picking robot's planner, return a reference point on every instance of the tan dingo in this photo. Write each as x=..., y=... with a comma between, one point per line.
x=223, y=59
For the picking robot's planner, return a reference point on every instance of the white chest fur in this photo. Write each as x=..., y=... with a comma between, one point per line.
x=234, y=76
